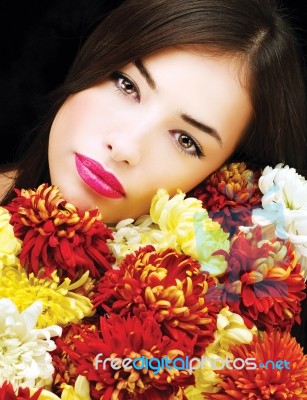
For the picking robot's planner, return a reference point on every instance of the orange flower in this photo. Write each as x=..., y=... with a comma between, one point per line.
x=167, y=285
x=229, y=195
x=89, y=351
x=57, y=236
x=280, y=373
x=263, y=282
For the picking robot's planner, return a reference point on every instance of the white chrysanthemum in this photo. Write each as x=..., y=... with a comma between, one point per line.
x=9, y=245
x=284, y=205
x=24, y=358
x=130, y=235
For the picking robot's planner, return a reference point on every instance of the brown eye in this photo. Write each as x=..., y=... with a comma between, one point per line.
x=126, y=86
x=187, y=144
x=185, y=141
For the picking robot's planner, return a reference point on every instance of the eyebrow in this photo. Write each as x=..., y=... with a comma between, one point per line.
x=145, y=73
x=203, y=127
x=187, y=118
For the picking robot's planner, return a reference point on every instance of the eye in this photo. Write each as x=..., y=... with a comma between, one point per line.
x=125, y=85
x=188, y=144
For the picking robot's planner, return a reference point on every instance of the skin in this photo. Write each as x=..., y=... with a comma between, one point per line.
x=132, y=124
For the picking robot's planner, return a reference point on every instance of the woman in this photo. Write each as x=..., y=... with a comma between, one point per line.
x=161, y=95
x=230, y=69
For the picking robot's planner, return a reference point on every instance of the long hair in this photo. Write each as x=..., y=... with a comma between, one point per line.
x=253, y=30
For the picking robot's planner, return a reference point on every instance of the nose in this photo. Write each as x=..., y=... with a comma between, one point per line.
x=128, y=143
x=121, y=153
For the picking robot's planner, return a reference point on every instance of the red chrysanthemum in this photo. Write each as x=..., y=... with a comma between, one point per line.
x=263, y=282
x=229, y=195
x=167, y=285
x=122, y=338
x=7, y=393
x=280, y=373
x=57, y=236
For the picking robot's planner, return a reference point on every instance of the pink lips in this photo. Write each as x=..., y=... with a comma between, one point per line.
x=94, y=175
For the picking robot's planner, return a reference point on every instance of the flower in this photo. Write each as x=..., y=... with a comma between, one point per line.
x=119, y=338
x=81, y=391
x=10, y=246
x=284, y=204
x=7, y=393
x=231, y=330
x=229, y=195
x=263, y=282
x=166, y=285
x=196, y=234
x=130, y=235
x=45, y=394
x=25, y=359
x=61, y=304
x=152, y=309
x=288, y=381
x=57, y=235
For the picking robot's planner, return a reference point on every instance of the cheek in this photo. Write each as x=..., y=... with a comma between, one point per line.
x=177, y=175
x=74, y=123
x=186, y=174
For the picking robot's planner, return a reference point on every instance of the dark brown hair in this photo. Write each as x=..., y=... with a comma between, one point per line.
x=254, y=30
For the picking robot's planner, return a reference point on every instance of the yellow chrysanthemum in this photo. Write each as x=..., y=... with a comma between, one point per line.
x=10, y=246
x=81, y=391
x=60, y=304
x=45, y=395
x=206, y=381
x=196, y=234
x=231, y=330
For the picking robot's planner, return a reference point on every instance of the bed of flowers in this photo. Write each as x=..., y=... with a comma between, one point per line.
x=213, y=275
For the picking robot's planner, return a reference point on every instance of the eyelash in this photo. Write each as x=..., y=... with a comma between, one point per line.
x=198, y=152
x=117, y=75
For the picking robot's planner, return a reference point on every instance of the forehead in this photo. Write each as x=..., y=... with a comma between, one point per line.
x=198, y=66
x=204, y=84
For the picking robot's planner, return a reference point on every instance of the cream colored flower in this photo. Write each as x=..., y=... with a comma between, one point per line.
x=196, y=234
x=24, y=357
x=130, y=235
x=10, y=246
x=231, y=330
x=284, y=205
x=60, y=304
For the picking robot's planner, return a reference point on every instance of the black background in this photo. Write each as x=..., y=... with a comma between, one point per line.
x=38, y=41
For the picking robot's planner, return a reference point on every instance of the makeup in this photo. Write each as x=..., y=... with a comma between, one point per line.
x=100, y=180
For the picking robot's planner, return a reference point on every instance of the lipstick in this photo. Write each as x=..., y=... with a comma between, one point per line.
x=100, y=180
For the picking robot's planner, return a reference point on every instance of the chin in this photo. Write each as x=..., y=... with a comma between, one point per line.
x=78, y=199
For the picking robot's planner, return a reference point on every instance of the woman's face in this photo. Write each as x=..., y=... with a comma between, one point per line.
x=166, y=121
